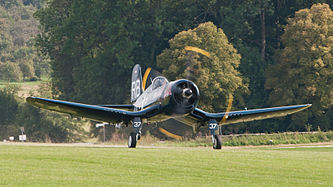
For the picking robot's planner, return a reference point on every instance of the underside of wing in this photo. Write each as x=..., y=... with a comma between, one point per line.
x=120, y=107
x=248, y=115
x=95, y=112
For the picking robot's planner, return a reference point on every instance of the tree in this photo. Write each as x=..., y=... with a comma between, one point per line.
x=246, y=24
x=39, y=125
x=94, y=44
x=17, y=27
x=216, y=76
x=10, y=72
x=303, y=72
x=8, y=110
x=8, y=105
x=46, y=126
x=27, y=70
x=90, y=44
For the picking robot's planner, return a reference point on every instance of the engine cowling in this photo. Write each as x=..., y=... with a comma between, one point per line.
x=185, y=96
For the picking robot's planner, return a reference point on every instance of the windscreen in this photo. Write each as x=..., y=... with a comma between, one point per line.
x=153, y=93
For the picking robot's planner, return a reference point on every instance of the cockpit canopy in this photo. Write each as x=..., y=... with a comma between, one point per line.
x=153, y=93
x=158, y=82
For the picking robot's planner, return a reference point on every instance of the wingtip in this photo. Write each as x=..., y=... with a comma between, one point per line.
x=305, y=106
x=29, y=99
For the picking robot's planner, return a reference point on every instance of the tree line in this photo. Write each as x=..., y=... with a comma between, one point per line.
x=94, y=44
x=19, y=59
x=264, y=52
x=39, y=125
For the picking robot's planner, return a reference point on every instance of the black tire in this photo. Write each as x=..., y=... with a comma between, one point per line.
x=139, y=136
x=217, y=144
x=132, y=140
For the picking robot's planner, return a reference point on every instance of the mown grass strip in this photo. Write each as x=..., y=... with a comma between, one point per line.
x=90, y=166
x=4, y=83
x=250, y=139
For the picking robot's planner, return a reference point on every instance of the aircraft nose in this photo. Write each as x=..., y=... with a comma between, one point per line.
x=187, y=93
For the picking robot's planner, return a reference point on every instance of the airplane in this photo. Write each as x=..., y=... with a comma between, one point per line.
x=160, y=101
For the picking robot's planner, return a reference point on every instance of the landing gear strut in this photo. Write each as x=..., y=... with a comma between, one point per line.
x=216, y=138
x=136, y=135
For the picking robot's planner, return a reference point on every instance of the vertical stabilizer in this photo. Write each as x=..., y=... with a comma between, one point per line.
x=136, y=84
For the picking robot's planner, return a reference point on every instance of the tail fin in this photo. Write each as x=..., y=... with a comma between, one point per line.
x=136, y=88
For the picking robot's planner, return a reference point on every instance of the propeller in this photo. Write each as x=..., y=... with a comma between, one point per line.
x=185, y=93
x=145, y=77
x=144, y=85
x=169, y=134
x=225, y=117
x=207, y=54
x=149, y=75
x=198, y=50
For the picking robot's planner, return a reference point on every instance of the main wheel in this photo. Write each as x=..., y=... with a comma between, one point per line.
x=139, y=135
x=132, y=140
x=217, y=143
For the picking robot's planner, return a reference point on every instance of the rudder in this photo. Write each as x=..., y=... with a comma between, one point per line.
x=136, y=88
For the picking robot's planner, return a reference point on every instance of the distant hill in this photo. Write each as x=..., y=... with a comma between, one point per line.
x=19, y=59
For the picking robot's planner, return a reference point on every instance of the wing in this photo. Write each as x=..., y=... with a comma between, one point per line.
x=120, y=107
x=247, y=115
x=95, y=112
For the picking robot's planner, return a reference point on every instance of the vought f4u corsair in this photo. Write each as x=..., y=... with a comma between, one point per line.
x=160, y=101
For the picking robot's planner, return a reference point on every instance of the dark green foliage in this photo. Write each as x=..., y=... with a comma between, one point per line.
x=19, y=59
x=216, y=76
x=303, y=72
x=10, y=72
x=8, y=109
x=94, y=44
x=241, y=22
x=90, y=48
x=41, y=126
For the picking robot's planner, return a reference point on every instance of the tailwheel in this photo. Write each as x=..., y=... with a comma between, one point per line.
x=217, y=142
x=132, y=140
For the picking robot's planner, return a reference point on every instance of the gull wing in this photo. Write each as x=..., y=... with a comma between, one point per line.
x=120, y=107
x=95, y=112
x=247, y=115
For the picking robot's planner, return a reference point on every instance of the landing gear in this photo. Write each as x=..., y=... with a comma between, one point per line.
x=135, y=136
x=216, y=138
x=132, y=139
x=217, y=142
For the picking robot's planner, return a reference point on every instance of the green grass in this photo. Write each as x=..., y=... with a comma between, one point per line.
x=279, y=138
x=92, y=166
x=4, y=83
x=247, y=139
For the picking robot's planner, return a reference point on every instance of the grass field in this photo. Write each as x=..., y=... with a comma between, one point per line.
x=23, y=83
x=25, y=86
x=105, y=166
x=237, y=139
